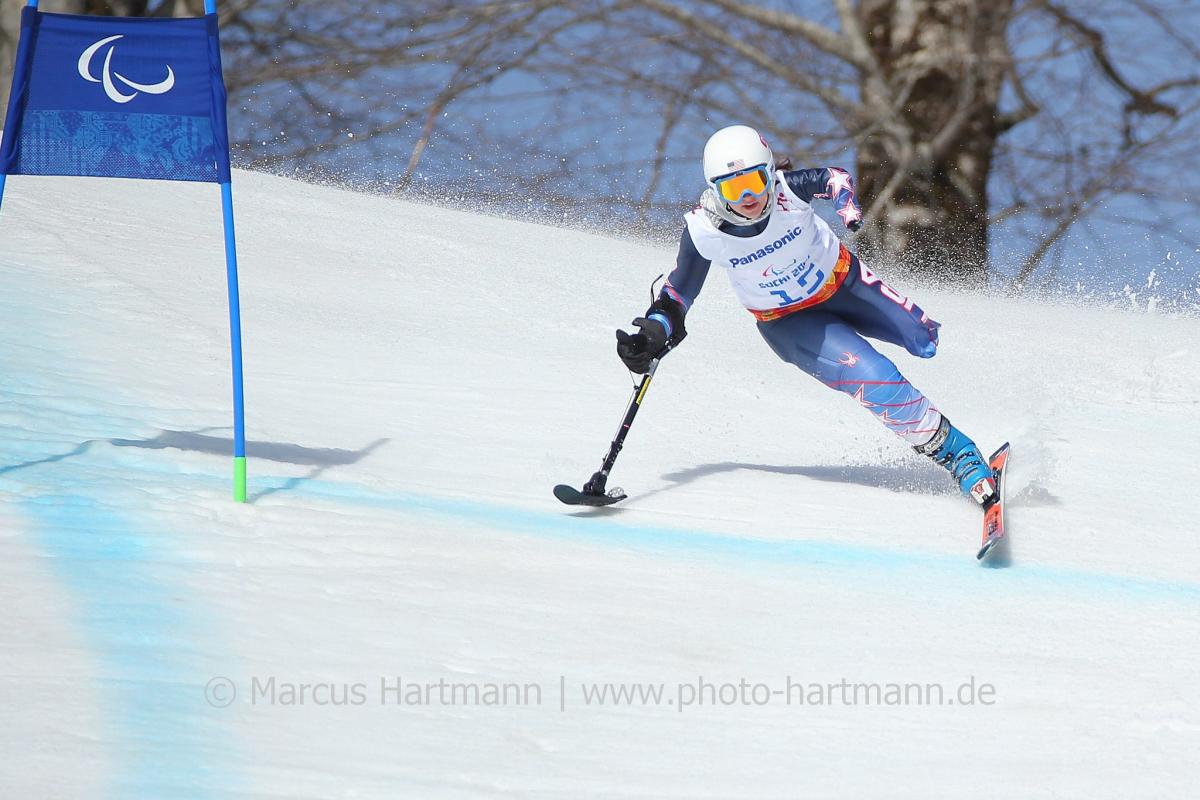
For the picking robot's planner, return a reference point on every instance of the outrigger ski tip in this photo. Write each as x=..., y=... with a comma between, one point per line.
x=573, y=497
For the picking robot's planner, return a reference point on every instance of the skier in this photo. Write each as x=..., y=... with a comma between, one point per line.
x=813, y=299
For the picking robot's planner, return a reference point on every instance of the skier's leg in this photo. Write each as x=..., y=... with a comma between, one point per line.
x=877, y=310
x=829, y=349
x=880, y=312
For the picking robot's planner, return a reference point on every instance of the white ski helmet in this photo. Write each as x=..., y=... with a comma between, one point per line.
x=733, y=150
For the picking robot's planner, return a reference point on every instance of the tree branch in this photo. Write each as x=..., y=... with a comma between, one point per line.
x=828, y=94
x=818, y=36
x=1140, y=102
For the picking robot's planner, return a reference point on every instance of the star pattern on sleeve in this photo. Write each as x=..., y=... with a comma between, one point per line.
x=850, y=212
x=839, y=180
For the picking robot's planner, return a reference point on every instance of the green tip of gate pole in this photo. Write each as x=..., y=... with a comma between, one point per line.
x=239, y=479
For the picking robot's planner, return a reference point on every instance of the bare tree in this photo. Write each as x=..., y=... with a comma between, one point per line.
x=1118, y=95
x=964, y=116
x=930, y=77
x=930, y=95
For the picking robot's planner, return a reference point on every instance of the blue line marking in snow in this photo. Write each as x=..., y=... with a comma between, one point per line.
x=161, y=735
x=157, y=733
x=962, y=570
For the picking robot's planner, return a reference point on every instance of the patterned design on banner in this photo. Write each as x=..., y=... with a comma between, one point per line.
x=90, y=143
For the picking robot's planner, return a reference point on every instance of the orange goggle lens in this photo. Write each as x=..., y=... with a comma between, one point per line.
x=735, y=187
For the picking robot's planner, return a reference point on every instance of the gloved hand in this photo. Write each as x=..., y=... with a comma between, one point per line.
x=855, y=225
x=637, y=350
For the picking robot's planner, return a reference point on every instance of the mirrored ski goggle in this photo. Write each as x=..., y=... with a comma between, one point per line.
x=734, y=188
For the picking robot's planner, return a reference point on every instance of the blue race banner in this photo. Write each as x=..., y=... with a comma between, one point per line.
x=117, y=97
x=128, y=97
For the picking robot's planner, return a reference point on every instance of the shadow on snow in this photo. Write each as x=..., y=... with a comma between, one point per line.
x=319, y=458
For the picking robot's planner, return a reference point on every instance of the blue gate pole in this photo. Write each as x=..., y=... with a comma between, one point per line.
x=235, y=341
x=235, y=332
x=3, y=175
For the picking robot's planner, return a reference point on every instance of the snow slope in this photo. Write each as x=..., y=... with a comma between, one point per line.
x=417, y=380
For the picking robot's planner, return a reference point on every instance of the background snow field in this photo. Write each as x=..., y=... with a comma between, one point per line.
x=403, y=609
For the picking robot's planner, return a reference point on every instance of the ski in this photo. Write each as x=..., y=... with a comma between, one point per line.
x=573, y=497
x=994, y=541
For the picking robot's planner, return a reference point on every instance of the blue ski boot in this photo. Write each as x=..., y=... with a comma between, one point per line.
x=955, y=451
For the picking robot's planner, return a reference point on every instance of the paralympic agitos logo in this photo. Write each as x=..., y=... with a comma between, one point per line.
x=110, y=77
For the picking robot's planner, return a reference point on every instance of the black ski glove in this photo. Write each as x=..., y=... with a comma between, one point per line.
x=637, y=350
x=654, y=338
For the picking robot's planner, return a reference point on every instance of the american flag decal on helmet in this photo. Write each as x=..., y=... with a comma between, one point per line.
x=738, y=164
